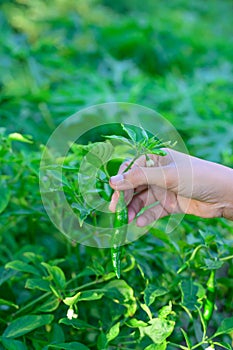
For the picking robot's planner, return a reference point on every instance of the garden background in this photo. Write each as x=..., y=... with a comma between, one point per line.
x=58, y=57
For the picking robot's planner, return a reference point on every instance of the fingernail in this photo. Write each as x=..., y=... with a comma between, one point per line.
x=115, y=179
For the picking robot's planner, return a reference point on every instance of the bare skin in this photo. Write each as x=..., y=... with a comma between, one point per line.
x=181, y=183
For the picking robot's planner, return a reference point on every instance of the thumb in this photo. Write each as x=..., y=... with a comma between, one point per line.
x=163, y=176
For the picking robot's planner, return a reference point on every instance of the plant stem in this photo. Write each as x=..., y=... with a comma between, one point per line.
x=199, y=344
x=178, y=346
x=32, y=303
x=101, y=280
x=106, y=171
x=35, y=301
x=131, y=163
x=226, y=258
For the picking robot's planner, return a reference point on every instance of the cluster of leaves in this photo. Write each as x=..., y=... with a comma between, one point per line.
x=163, y=285
x=179, y=64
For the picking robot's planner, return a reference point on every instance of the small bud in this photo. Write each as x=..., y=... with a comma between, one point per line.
x=70, y=314
x=150, y=163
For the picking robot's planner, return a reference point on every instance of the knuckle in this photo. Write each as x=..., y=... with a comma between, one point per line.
x=135, y=175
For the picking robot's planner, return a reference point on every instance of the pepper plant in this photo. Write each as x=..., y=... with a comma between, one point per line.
x=57, y=294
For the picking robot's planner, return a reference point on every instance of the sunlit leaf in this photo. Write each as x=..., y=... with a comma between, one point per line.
x=26, y=324
x=159, y=329
x=18, y=137
x=162, y=346
x=21, y=266
x=132, y=135
x=102, y=342
x=113, y=332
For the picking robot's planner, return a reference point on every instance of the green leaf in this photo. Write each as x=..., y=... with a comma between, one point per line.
x=144, y=133
x=97, y=267
x=18, y=137
x=82, y=211
x=4, y=196
x=21, y=266
x=69, y=346
x=84, y=296
x=57, y=275
x=223, y=345
x=213, y=264
x=37, y=283
x=186, y=337
x=102, y=342
x=113, y=332
x=8, y=303
x=56, y=335
x=72, y=300
x=151, y=293
x=159, y=329
x=11, y=344
x=189, y=294
x=101, y=150
x=159, y=152
x=132, y=135
x=77, y=324
x=147, y=310
x=162, y=346
x=134, y=323
x=226, y=327
x=50, y=305
x=119, y=138
x=55, y=291
x=91, y=295
x=121, y=291
x=165, y=311
x=26, y=324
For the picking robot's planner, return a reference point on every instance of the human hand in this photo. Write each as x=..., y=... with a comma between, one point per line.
x=181, y=183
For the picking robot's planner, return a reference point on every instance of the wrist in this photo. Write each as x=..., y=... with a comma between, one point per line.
x=228, y=211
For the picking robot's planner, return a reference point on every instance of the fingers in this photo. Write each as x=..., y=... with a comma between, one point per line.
x=151, y=215
x=114, y=200
x=128, y=194
x=138, y=202
x=139, y=177
x=164, y=176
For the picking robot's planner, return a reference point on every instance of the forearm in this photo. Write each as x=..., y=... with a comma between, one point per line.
x=220, y=184
x=225, y=183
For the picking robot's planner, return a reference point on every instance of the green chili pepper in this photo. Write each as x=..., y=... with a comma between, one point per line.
x=120, y=224
x=210, y=298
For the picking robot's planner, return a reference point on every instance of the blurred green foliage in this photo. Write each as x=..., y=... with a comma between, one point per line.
x=58, y=57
